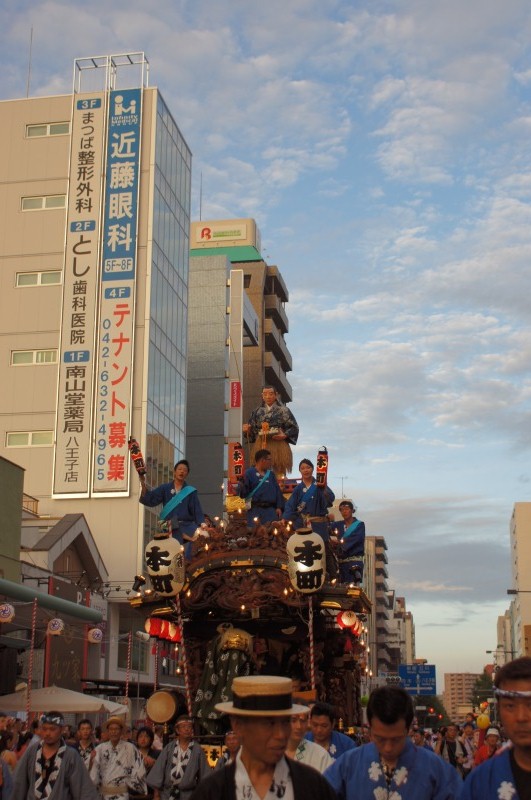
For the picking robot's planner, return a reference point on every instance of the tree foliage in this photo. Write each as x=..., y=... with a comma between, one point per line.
x=483, y=689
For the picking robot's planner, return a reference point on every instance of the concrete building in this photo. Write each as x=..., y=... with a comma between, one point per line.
x=520, y=610
x=406, y=629
x=270, y=361
x=12, y=482
x=94, y=244
x=381, y=637
x=237, y=323
x=221, y=325
x=458, y=689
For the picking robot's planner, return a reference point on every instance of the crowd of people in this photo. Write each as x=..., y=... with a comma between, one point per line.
x=278, y=747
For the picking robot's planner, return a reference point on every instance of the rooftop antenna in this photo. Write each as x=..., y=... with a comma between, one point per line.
x=342, y=478
x=29, y=62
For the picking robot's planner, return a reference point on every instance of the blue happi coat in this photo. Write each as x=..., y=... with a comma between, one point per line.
x=185, y=517
x=354, y=544
x=269, y=492
x=420, y=775
x=317, y=506
x=339, y=743
x=492, y=780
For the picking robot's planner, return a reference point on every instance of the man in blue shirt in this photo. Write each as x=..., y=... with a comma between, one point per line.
x=261, y=491
x=390, y=765
x=351, y=534
x=322, y=720
x=181, y=506
x=507, y=776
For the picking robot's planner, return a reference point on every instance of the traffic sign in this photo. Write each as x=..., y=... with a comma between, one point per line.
x=418, y=679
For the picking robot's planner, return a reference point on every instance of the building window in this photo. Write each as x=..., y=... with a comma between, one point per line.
x=246, y=281
x=25, y=357
x=29, y=438
x=46, y=201
x=47, y=278
x=48, y=129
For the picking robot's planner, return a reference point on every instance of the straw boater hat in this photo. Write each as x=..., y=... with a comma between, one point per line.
x=261, y=696
x=116, y=721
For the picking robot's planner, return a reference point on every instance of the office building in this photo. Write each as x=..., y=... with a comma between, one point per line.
x=94, y=244
x=237, y=323
x=269, y=361
x=520, y=610
x=458, y=691
x=383, y=638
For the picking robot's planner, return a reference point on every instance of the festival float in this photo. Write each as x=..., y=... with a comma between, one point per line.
x=253, y=599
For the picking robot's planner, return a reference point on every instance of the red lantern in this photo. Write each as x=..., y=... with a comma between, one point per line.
x=153, y=626
x=346, y=619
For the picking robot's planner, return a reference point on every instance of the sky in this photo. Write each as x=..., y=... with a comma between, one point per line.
x=383, y=149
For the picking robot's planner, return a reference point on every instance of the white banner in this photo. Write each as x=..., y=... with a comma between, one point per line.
x=80, y=295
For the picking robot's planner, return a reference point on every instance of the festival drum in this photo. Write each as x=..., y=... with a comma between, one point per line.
x=165, y=706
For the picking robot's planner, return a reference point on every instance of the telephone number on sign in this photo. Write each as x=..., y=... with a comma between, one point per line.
x=118, y=264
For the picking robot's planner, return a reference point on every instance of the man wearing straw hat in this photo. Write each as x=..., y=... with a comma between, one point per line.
x=50, y=769
x=260, y=715
x=118, y=765
x=180, y=766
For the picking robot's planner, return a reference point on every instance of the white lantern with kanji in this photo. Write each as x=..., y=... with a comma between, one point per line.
x=55, y=626
x=165, y=566
x=7, y=612
x=95, y=635
x=306, y=561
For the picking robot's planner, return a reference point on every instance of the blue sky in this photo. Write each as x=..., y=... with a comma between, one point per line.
x=383, y=148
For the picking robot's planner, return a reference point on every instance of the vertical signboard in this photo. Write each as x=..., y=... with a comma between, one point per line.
x=73, y=432
x=112, y=407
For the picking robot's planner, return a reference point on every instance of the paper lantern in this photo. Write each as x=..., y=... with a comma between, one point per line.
x=483, y=721
x=306, y=561
x=7, y=612
x=95, y=636
x=357, y=627
x=347, y=619
x=153, y=626
x=165, y=566
x=55, y=627
x=162, y=629
x=174, y=633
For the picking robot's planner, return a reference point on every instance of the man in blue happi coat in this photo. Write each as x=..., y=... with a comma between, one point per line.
x=323, y=733
x=180, y=504
x=309, y=503
x=390, y=765
x=308, y=508
x=261, y=491
x=351, y=534
x=507, y=775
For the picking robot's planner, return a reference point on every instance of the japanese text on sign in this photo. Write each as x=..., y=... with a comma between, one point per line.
x=116, y=327
x=80, y=296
